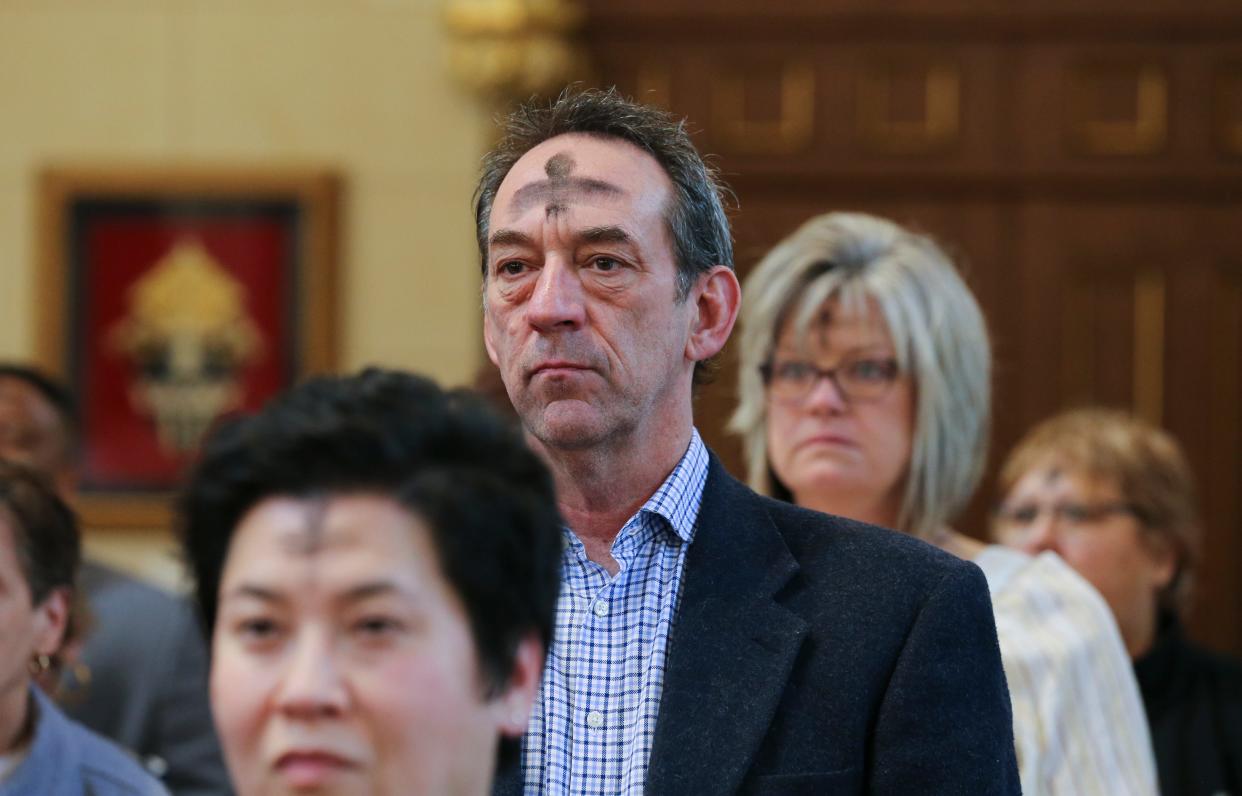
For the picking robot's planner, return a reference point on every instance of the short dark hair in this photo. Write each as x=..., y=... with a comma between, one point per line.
x=52, y=391
x=696, y=214
x=45, y=530
x=488, y=501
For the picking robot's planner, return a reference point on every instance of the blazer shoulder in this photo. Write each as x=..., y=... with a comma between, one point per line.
x=835, y=554
x=819, y=539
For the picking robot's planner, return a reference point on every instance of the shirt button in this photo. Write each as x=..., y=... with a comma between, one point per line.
x=595, y=719
x=601, y=608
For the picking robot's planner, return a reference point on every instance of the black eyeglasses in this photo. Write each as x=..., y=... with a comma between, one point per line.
x=856, y=378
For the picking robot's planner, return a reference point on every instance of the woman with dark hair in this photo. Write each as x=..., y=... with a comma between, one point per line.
x=42, y=751
x=377, y=566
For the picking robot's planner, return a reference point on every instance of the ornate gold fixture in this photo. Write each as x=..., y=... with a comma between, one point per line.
x=513, y=48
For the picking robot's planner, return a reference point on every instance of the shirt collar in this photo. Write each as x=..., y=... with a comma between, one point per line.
x=681, y=495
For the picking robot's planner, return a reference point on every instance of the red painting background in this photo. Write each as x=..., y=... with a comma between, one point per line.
x=120, y=446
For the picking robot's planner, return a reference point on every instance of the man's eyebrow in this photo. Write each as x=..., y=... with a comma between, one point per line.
x=609, y=234
x=510, y=237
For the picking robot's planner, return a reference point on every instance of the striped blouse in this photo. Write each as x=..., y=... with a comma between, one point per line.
x=1078, y=719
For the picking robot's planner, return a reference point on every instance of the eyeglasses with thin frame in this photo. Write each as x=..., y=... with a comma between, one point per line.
x=1072, y=514
x=858, y=379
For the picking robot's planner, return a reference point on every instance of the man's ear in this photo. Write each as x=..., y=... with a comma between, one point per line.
x=514, y=705
x=717, y=296
x=51, y=618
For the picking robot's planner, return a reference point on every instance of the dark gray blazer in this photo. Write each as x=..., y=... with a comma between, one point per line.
x=813, y=654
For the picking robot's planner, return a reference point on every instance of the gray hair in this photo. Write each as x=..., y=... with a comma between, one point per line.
x=937, y=329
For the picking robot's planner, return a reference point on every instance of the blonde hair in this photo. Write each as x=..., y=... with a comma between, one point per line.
x=1145, y=463
x=937, y=329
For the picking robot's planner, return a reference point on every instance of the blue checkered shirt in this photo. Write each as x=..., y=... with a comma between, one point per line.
x=595, y=716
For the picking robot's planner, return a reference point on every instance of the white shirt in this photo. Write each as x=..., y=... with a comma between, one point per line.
x=1078, y=720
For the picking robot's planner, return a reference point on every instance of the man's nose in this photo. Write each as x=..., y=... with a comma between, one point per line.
x=557, y=302
x=312, y=685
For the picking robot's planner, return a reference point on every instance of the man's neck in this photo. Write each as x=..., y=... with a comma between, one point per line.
x=599, y=489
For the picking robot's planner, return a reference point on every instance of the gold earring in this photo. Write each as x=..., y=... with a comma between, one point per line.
x=39, y=664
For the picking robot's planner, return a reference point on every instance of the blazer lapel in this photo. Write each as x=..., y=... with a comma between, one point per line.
x=732, y=646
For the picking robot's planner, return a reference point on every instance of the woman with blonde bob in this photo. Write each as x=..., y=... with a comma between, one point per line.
x=865, y=391
x=1114, y=496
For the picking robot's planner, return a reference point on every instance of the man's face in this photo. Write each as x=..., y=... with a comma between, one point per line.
x=581, y=313
x=343, y=661
x=31, y=432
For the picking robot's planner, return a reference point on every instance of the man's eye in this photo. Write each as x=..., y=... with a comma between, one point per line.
x=605, y=264
x=512, y=267
x=877, y=370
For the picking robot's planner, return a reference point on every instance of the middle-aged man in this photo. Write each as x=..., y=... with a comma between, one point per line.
x=708, y=640
x=142, y=677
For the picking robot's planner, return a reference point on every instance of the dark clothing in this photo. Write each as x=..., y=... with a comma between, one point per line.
x=1194, y=706
x=814, y=654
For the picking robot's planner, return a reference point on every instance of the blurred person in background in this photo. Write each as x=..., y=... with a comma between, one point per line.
x=865, y=392
x=141, y=675
x=42, y=751
x=376, y=561
x=1114, y=497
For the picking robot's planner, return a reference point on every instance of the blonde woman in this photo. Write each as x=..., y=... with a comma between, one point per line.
x=865, y=393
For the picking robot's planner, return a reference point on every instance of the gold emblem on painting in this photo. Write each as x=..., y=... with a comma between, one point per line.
x=189, y=336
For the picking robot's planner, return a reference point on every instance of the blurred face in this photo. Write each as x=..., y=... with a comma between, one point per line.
x=30, y=430
x=343, y=661
x=581, y=315
x=1086, y=521
x=836, y=453
x=25, y=630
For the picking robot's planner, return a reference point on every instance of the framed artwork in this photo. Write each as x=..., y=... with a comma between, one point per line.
x=169, y=297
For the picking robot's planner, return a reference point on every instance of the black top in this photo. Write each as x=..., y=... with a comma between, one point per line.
x=1194, y=705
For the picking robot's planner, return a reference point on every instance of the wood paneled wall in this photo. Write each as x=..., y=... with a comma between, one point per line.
x=1083, y=159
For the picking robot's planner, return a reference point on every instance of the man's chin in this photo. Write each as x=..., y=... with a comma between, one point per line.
x=565, y=425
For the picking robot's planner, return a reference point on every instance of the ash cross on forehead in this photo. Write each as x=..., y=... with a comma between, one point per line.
x=560, y=189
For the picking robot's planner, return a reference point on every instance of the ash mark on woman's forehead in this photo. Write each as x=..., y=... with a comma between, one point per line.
x=310, y=538
x=560, y=190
